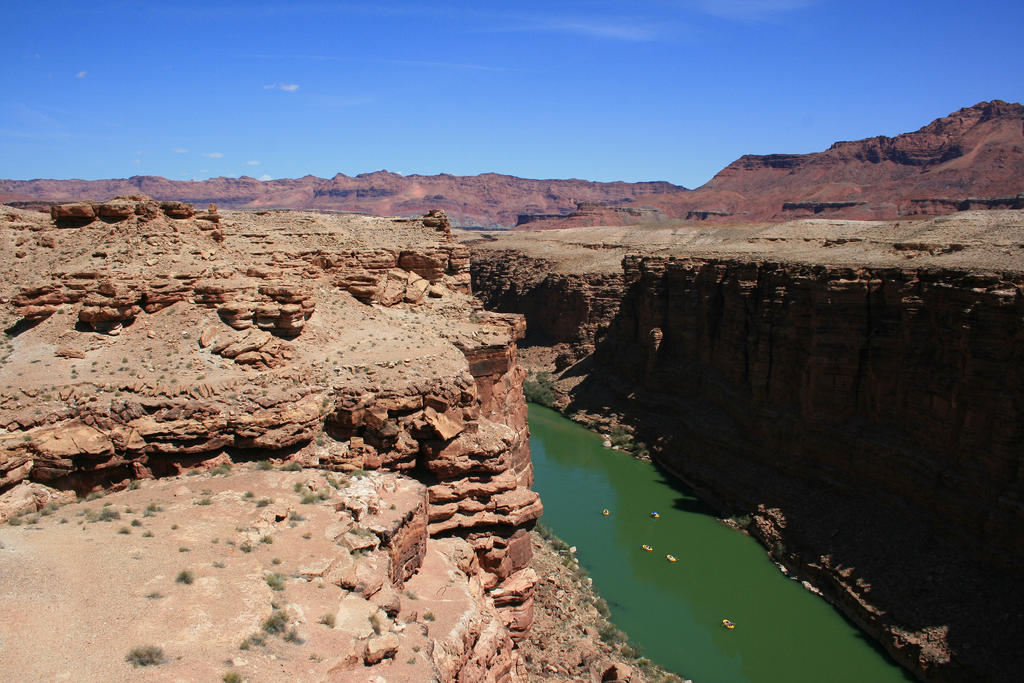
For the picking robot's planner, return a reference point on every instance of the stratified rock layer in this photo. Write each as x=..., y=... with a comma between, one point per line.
x=867, y=417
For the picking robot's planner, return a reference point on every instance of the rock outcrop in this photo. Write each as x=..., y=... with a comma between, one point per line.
x=344, y=343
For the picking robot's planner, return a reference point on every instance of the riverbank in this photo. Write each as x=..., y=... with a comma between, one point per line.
x=572, y=638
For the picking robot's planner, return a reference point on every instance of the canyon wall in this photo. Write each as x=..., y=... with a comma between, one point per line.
x=868, y=419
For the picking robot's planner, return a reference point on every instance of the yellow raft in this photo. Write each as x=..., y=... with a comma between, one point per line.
x=728, y=624
x=670, y=558
x=605, y=512
x=647, y=547
x=654, y=514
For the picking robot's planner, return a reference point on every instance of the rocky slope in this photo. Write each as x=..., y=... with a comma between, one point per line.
x=489, y=199
x=855, y=389
x=145, y=338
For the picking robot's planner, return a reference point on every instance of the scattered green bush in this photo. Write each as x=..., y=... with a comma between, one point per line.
x=276, y=623
x=186, y=577
x=328, y=620
x=145, y=655
x=231, y=677
x=292, y=467
x=428, y=616
x=264, y=465
x=540, y=389
x=276, y=581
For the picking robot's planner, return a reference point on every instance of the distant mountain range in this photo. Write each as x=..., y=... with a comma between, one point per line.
x=973, y=158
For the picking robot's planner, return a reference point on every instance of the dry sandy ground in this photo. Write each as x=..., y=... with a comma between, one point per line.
x=985, y=240
x=79, y=592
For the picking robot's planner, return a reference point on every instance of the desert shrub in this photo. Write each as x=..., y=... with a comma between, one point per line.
x=245, y=547
x=133, y=484
x=267, y=539
x=221, y=470
x=147, y=534
x=108, y=515
x=309, y=498
x=136, y=522
x=204, y=501
x=264, y=465
x=610, y=635
x=257, y=639
x=276, y=623
x=186, y=577
x=231, y=677
x=276, y=581
x=296, y=517
x=124, y=530
x=263, y=502
x=328, y=620
x=145, y=655
x=428, y=616
x=540, y=389
x=292, y=636
x=292, y=467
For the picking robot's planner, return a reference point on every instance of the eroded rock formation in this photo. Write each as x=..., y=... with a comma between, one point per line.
x=147, y=344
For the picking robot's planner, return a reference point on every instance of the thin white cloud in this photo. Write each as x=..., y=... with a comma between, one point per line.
x=270, y=87
x=253, y=163
x=607, y=30
x=264, y=177
x=180, y=150
x=213, y=155
x=287, y=87
x=751, y=10
x=81, y=74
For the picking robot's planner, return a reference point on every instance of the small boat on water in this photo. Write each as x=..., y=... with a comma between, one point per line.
x=647, y=548
x=605, y=512
x=728, y=624
x=670, y=558
x=654, y=514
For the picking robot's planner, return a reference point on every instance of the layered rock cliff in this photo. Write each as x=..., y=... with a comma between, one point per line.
x=867, y=418
x=146, y=338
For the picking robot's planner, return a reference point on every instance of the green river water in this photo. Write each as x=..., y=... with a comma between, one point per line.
x=674, y=611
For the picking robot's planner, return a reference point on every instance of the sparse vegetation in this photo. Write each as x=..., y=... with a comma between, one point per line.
x=428, y=616
x=292, y=467
x=276, y=581
x=221, y=470
x=276, y=623
x=263, y=502
x=231, y=677
x=328, y=620
x=540, y=389
x=257, y=639
x=145, y=655
x=245, y=547
x=292, y=636
x=186, y=577
x=264, y=465
x=204, y=501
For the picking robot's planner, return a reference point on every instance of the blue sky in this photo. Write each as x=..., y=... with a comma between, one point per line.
x=658, y=90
